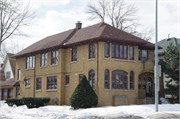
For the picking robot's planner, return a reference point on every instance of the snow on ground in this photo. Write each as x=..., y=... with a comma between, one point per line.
x=166, y=111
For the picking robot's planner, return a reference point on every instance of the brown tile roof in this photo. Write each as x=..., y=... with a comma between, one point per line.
x=94, y=33
x=9, y=82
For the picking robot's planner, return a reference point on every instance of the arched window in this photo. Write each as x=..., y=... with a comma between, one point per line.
x=132, y=80
x=119, y=79
x=106, y=79
x=92, y=78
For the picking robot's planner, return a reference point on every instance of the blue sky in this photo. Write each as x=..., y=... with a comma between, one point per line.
x=55, y=16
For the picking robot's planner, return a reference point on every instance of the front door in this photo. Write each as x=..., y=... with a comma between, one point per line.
x=148, y=87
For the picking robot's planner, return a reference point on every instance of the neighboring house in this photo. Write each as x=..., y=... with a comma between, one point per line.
x=8, y=69
x=2, y=76
x=118, y=65
x=164, y=43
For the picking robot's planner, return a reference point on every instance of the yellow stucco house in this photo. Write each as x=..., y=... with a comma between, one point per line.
x=118, y=65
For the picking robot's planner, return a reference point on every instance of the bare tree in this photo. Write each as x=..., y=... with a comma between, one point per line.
x=118, y=14
x=9, y=47
x=14, y=15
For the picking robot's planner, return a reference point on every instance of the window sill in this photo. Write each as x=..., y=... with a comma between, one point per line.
x=43, y=66
x=53, y=65
x=117, y=90
x=38, y=90
x=120, y=59
x=73, y=61
x=66, y=85
x=51, y=90
x=27, y=86
x=30, y=69
x=91, y=59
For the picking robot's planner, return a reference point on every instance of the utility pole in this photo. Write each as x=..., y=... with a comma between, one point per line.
x=156, y=60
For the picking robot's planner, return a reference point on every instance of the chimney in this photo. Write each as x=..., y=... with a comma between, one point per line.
x=78, y=25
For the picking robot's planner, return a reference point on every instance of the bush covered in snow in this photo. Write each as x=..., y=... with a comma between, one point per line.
x=14, y=101
x=35, y=102
x=83, y=96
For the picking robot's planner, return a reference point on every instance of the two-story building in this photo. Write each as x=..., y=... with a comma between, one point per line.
x=118, y=65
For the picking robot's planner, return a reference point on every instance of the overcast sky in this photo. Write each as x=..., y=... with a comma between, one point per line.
x=55, y=16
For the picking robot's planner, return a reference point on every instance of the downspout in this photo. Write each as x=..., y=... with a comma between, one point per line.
x=34, y=76
x=97, y=65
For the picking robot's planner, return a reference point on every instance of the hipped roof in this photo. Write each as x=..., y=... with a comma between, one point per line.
x=94, y=33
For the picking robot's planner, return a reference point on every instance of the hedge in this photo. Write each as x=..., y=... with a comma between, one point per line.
x=14, y=101
x=35, y=102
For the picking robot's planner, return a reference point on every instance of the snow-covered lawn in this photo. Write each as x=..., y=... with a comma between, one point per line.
x=166, y=111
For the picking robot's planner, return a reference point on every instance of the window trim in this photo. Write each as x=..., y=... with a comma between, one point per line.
x=89, y=73
x=80, y=76
x=28, y=64
x=8, y=73
x=72, y=56
x=67, y=84
x=130, y=52
x=43, y=60
x=19, y=74
x=50, y=83
x=108, y=50
x=28, y=81
x=108, y=78
x=37, y=87
x=130, y=81
x=119, y=50
x=91, y=57
x=141, y=54
x=55, y=63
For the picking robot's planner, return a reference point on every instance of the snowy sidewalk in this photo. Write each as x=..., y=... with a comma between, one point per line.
x=166, y=111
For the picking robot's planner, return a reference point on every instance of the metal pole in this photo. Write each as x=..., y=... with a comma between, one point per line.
x=156, y=60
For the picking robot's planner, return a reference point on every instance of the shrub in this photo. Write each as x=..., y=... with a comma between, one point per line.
x=83, y=96
x=31, y=102
x=14, y=101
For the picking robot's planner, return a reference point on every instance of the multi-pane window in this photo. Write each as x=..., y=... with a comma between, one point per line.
x=142, y=55
x=80, y=76
x=27, y=82
x=92, y=50
x=54, y=57
x=119, y=51
x=119, y=79
x=132, y=80
x=8, y=75
x=38, y=83
x=92, y=78
x=19, y=74
x=30, y=62
x=106, y=49
x=44, y=59
x=131, y=53
x=106, y=80
x=74, y=54
x=52, y=82
x=67, y=80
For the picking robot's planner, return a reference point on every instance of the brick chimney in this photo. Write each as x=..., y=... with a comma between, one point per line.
x=78, y=25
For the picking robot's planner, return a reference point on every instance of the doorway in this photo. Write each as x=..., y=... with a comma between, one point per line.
x=148, y=87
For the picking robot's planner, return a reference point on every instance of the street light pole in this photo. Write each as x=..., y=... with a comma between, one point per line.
x=156, y=60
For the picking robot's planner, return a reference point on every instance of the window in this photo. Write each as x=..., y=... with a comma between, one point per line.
x=38, y=83
x=52, y=82
x=27, y=82
x=132, y=80
x=44, y=59
x=67, y=80
x=74, y=54
x=92, y=50
x=106, y=79
x=119, y=51
x=19, y=74
x=30, y=63
x=8, y=75
x=142, y=55
x=80, y=76
x=131, y=53
x=106, y=49
x=54, y=57
x=119, y=79
x=92, y=78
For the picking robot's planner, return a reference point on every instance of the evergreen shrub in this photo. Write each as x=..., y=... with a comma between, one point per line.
x=14, y=101
x=31, y=102
x=84, y=95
